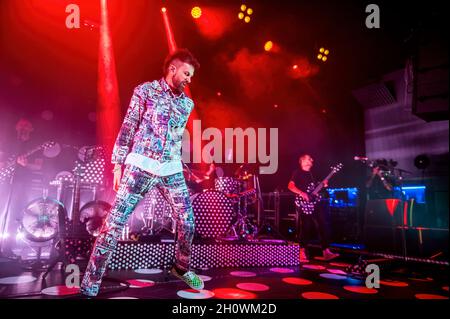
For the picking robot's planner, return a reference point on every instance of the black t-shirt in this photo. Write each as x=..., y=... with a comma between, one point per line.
x=302, y=179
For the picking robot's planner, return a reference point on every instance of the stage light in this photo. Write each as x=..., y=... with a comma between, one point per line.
x=245, y=13
x=268, y=46
x=295, y=67
x=323, y=54
x=196, y=12
x=163, y=9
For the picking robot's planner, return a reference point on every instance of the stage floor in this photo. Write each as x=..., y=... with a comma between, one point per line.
x=314, y=280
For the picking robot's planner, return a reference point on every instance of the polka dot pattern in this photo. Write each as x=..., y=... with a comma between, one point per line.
x=318, y=295
x=195, y=294
x=252, y=286
x=297, y=281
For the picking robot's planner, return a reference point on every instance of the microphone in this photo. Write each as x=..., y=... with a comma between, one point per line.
x=360, y=158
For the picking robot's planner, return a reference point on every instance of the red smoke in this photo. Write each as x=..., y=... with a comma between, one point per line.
x=214, y=22
x=263, y=74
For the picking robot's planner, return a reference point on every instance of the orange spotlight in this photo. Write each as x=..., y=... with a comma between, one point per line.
x=268, y=46
x=323, y=55
x=245, y=13
x=196, y=12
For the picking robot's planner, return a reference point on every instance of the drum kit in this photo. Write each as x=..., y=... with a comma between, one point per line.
x=220, y=212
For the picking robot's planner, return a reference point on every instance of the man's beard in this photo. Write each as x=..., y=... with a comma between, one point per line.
x=178, y=86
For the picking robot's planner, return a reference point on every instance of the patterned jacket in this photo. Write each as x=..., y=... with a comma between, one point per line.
x=154, y=123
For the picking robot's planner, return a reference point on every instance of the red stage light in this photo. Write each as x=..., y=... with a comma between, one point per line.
x=252, y=286
x=295, y=67
x=296, y=281
x=163, y=9
x=196, y=12
x=233, y=293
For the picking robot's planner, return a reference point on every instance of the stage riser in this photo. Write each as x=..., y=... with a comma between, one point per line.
x=160, y=255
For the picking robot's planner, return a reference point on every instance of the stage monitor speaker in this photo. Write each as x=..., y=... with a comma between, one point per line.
x=382, y=239
x=344, y=226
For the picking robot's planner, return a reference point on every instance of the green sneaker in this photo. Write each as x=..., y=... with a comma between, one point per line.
x=190, y=278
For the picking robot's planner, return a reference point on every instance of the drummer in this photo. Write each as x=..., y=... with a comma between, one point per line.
x=197, y=181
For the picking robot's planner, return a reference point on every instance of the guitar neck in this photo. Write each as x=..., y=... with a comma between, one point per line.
x=321, y=184
x=34, y=150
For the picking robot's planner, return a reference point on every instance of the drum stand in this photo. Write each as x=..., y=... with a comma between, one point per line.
x=242, y=228
x=151, y=226
x=4, y=220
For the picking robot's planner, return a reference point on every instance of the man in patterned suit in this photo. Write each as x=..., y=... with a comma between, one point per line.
x=149, y=147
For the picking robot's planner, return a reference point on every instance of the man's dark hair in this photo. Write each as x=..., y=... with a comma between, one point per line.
x=182, y=55
x=302, y=155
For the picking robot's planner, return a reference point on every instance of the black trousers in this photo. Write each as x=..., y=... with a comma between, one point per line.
x=314, y=225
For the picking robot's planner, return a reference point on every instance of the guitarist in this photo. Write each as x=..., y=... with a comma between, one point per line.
x=27, y=170
x=307, y=222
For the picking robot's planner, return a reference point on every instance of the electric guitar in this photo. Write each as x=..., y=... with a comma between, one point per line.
x=307, y=207
x=9, y=168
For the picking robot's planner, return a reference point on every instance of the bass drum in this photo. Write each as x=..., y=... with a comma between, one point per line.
x=93, y=214
x=41, y=219
x=213, y=212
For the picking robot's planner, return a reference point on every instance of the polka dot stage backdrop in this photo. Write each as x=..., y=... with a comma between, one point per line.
x=135, y=255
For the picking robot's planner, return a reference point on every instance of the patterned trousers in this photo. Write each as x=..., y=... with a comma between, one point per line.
x=134, y=185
